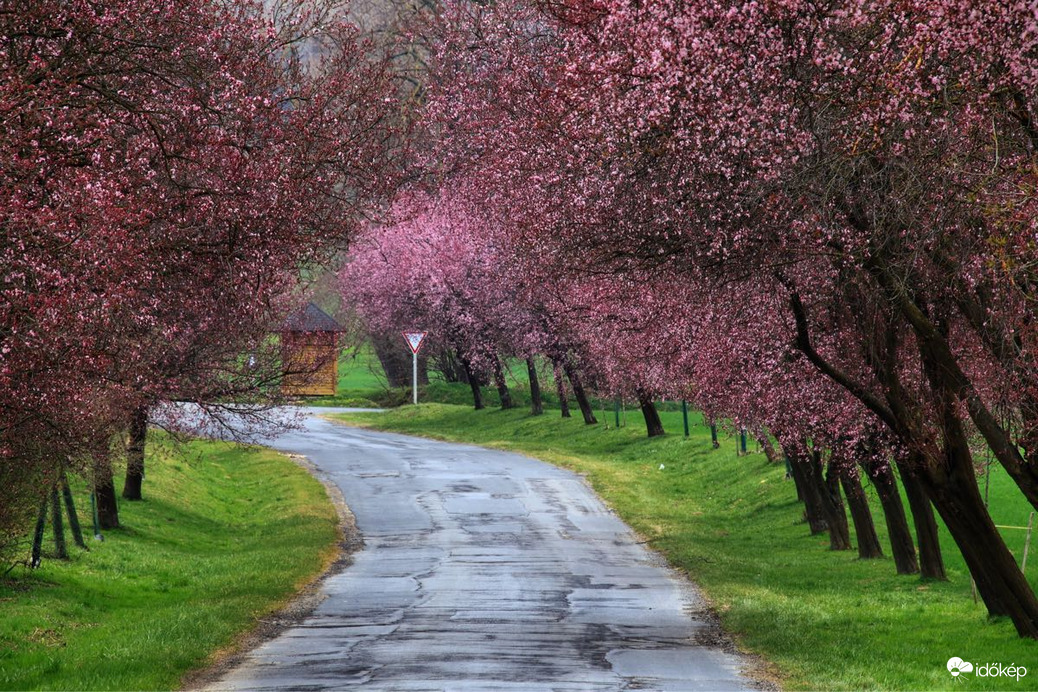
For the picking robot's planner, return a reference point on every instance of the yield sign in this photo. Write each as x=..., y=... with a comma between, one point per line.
x=414, y=340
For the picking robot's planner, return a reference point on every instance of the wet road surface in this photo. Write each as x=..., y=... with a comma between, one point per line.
x=484, y=570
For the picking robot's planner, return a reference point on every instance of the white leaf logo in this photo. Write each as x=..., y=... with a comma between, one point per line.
x=957, y=665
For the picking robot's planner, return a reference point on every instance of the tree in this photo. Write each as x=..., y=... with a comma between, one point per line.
x=160, y=191
x=850, y=170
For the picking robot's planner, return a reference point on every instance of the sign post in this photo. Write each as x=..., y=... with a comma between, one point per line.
x=414, y=342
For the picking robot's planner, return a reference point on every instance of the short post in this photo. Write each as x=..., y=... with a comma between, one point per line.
x=1027, y=542
x=684, y=415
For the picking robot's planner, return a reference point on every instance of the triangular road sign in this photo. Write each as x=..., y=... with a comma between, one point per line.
x=414, y=340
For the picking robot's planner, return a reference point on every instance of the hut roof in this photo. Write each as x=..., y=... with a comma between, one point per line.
x=310, y=319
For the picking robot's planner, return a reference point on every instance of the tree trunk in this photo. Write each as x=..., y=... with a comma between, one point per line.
x=560, y=387
x=653, y=424
x=36, y=552
x=395, y=360
x=477, y=393
x=104, y=494
x=770, y=452
x=901, y=543
x=832, y=504
x=807, y=489
x=578, y=392
x=1000, y=583
x=70, y=508
x=931, y=563
x=946, y=472
x=135, y=454
x=502, y=385
x=861, y=515
x=58, y=525
x=950, y=482
x=536, y=405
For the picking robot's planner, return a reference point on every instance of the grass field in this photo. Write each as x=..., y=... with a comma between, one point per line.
x=362, y=383
x=823, y=620
x=225, y=535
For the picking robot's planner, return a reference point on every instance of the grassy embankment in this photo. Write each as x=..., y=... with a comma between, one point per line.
x=824, y=620
x=224, y=536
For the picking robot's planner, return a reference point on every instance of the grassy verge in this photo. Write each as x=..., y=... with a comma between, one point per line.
x=225, y=536
x=824, y=620
x=362, y=384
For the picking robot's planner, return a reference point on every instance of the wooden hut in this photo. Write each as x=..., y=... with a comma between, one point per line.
x=310, y=353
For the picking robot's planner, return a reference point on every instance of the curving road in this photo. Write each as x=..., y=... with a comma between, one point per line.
x=484, y=570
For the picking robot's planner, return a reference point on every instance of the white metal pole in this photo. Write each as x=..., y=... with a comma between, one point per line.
x=414, y=379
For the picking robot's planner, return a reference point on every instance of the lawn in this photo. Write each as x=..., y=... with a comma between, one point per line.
x=224, y=536
x=362, y=384
x=822, y=620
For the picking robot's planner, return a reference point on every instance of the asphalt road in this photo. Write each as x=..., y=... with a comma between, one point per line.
x=484, y=570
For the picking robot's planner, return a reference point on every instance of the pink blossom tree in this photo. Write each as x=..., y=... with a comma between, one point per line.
x=861, y=161
x=161, y=189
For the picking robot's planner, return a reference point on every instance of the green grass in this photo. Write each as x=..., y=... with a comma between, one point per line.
x=362, y=384
x=823, y=620
x=224, y=536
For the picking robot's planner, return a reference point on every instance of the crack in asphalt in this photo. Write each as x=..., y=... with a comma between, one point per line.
x=485, y=570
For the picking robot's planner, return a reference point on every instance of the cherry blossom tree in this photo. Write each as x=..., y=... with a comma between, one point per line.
x=168, y=170
x=864, y=164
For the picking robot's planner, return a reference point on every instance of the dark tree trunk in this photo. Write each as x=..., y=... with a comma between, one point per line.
x=477, y=393
x=536, y=404
x=931, y=563
x=832, y=505
x=560, y=387
x=70, y=508
x=58, y=525
x=901, y=543
x=104, y=494
x=950, y=482
x=861, y=515
x=1000, y=583
x=396, y=358
x=945, y=470
x=799, y=464
x=502, y=385
x=578, y=393
x=36, y=553
x=653, y=424
x=135, y=454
